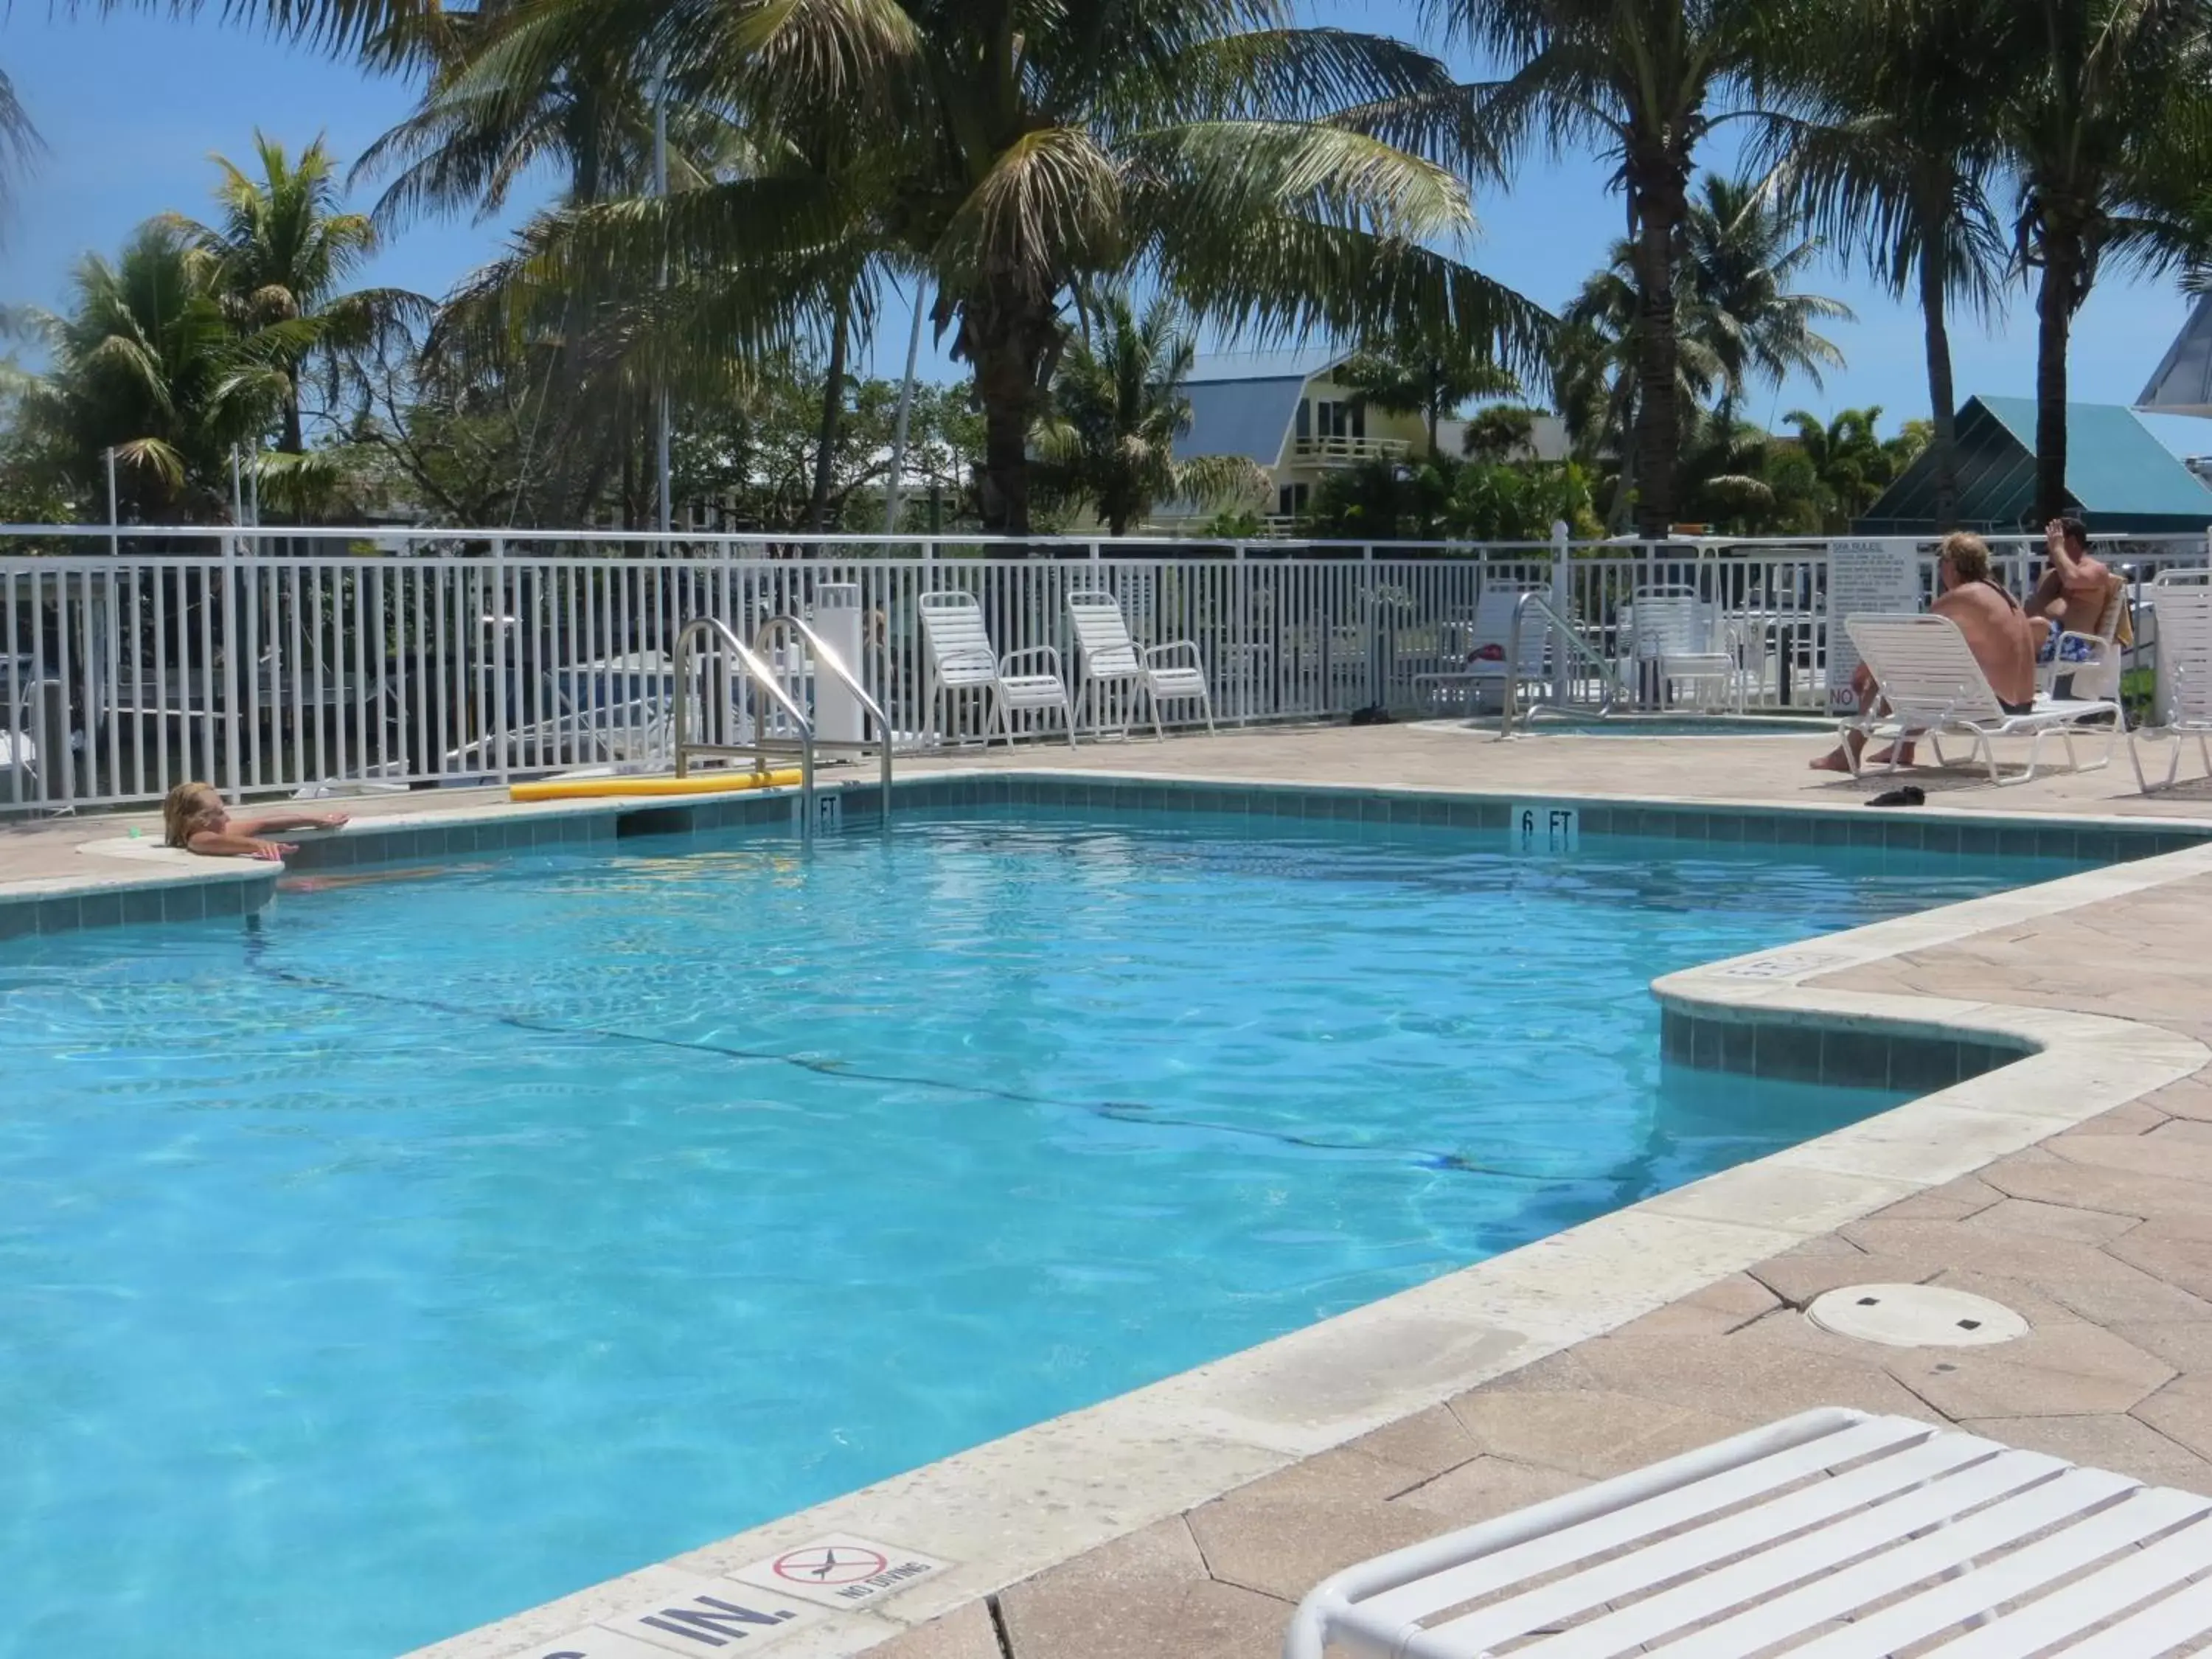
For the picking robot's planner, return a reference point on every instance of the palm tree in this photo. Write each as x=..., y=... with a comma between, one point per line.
x=1852, y=464
x=1596, y=372
x=1430, y=379
x=278, y=257
x=1635, y=78
x=481, y=128
x=1742, y=254
x=1118, y=406
x=147, y=362
x=2105, y=118
x=1888, y=146
x=1275, y=178
x=1739, y=321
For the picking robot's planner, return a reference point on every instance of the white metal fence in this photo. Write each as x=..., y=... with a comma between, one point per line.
x=268, y=662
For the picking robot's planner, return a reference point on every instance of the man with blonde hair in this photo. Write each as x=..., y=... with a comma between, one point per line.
x=1997, y=632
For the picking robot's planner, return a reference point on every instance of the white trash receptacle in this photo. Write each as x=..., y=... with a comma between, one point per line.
x=838, y=717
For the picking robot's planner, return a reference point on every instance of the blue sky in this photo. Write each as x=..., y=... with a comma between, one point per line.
x=131, y=106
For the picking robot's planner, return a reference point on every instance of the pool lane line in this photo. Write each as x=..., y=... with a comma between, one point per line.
x=1120, y=1111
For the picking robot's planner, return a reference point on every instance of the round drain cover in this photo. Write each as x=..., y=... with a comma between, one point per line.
x=1915, y=1317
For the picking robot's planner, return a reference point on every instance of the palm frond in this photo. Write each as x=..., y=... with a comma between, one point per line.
x=1229, y=172
x=336, y=26
x=1286, y=277
x=1051, y=204
x=18, y=138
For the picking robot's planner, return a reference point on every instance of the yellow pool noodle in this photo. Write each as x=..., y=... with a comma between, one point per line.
x=704, y=783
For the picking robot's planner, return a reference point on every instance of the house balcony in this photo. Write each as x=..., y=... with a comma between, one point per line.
x=1347, y=451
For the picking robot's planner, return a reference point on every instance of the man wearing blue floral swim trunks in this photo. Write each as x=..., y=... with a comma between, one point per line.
x=2073, y=593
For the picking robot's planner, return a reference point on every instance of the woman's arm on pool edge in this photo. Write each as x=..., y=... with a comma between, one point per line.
x=284, y=821
x=231, y=844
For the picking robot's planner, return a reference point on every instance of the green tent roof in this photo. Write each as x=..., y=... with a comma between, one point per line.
x=2119, y=476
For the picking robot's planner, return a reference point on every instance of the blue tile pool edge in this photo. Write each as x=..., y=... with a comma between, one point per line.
x=221, y=890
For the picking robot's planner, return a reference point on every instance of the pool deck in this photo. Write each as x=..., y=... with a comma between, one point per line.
x=1186, y=1519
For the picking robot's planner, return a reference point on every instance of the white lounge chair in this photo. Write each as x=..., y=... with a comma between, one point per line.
x=1485, y=639
x=2184, y=615
x=961, y=660
x=1105, y=656
x=1932, y=686
x=1926, y=1541
x=1675, y=636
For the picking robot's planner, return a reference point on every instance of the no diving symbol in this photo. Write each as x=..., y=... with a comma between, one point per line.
x=830, y=1564
x=841, y=1570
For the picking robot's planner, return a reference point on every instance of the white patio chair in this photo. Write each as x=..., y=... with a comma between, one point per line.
x=1486, y=639
x=1836, y=1535
x=1105, y=656
x=2183, y=708
x=1677, y=642
x=2094, y=670
x=961, y=660
x=36, y=743
x=1932, y=684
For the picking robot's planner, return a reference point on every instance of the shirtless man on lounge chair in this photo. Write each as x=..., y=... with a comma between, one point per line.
x=1997, y=632
x=2075, y=586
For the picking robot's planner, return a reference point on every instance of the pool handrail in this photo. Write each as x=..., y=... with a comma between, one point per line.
x=825, y=657
x=1608, y=677
x=749, y=667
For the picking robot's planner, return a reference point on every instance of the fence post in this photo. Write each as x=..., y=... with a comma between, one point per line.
x=232, y=769
x=499, y=710
x=1374, y=624
x=1242, y=649
x=1563, y=682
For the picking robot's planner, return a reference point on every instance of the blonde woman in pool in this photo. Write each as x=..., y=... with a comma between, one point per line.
x=194, y=818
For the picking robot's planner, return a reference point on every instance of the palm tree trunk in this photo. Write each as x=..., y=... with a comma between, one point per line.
x=1659, y=196
x=833, y=408
x=2054, y=316
x=1942, y=406
x=1624, y=486
x=1013, y=341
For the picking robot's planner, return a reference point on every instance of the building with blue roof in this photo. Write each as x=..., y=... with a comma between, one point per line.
x=1282, y=410
x=2119, y=477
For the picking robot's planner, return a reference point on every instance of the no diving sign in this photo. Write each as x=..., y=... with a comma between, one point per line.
x=841, y=1570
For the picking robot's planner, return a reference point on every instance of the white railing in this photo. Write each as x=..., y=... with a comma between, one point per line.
x=268, y=662
x=1349, y=449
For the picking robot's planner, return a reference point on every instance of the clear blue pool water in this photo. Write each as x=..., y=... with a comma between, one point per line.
x=440, y=1246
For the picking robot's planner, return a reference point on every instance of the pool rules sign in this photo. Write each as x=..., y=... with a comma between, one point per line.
x=1877, y=577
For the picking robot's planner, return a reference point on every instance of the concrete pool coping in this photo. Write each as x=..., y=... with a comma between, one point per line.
x=1012, y=1508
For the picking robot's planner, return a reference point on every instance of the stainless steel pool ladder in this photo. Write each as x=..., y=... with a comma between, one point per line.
x=1561, y=628
x=751, y=663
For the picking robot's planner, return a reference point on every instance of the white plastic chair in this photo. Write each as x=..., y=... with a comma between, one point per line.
x=1674, y=635
x=1835, y=1534
x=2096, y=671
x=961, y=660
x=1105, y=656
x=2183, y=709
x=1929, y=677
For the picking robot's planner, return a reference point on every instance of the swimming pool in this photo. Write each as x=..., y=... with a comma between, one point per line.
x=437, y=1246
